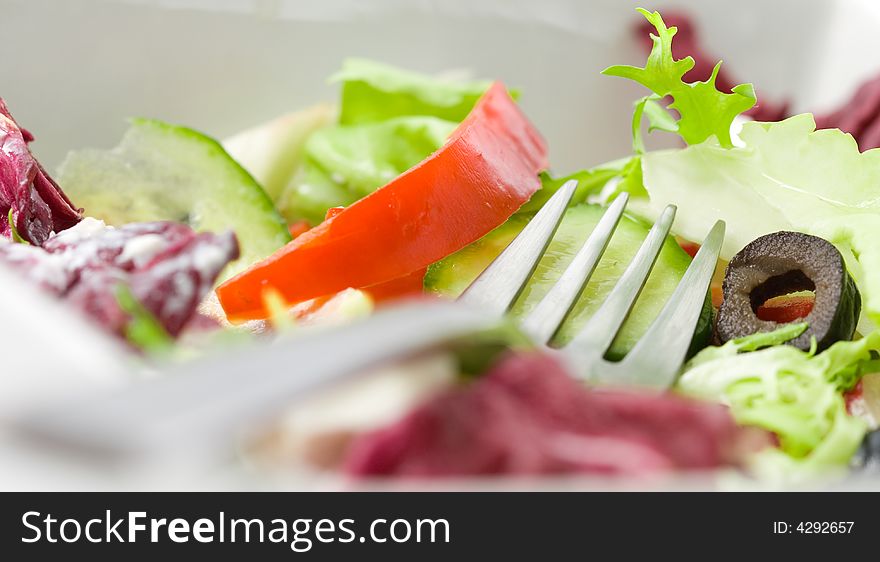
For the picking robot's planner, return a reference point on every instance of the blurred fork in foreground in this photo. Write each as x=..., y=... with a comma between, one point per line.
x=199, y=406
x=658, y=356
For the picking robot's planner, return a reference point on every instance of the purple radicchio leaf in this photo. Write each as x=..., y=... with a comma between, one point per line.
x=38, y=204
x=167, y=268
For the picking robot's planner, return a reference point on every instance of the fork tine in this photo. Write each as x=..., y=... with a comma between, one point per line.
x=601, y=329
x=657, y=357
x=549, y=313
x=498, y=286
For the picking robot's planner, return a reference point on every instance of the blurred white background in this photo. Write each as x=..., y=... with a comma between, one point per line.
x=80, y=67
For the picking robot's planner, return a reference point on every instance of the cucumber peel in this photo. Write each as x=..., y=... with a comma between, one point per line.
x=450, y=276
x=161, y=172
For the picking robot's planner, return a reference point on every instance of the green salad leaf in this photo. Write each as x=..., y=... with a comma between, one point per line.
x=390, y=119
x=704, y=110
x=373, y=91
x=589, y=182
x=787, y=176
x=794, y=394
x=345, y=163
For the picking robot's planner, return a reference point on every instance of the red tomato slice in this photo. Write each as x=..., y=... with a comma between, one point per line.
x=486, y=170
x=408, y=285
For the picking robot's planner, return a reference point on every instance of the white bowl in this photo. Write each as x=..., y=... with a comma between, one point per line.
x=79, y=68
x=84, y=66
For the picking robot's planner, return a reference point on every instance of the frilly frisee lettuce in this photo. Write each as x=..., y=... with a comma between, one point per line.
x=794, y=394
x=704, y=111
x=780, y=176
x=701, y=112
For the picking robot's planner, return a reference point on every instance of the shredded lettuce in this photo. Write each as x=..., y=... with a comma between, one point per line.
x=794, y=394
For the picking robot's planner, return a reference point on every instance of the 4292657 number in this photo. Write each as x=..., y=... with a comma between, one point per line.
x=814, y=527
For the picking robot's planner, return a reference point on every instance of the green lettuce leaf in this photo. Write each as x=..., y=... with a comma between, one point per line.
x=787, y=176
x=389, y=120
x=704, y=110
x=347, y=162
x=373, y=91
x=794, y=394
x=590, y=182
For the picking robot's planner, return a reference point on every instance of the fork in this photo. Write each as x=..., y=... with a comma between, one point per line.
x=194, y=408
x=657, y=357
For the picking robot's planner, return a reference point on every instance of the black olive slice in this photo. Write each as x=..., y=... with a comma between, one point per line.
x=782, y=263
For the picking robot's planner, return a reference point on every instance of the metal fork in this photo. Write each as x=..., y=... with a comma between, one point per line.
x=656, y=359
x=197, y=406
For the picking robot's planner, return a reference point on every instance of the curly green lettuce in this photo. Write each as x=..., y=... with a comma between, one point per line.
x=792, y=393
x=704, y=110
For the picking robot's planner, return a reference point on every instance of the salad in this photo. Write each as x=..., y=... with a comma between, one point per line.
x=410, y=185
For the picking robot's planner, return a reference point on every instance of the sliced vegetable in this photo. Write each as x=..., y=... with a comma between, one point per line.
x=273, y=152
x=782, y=263
x=166, y=172
x=482, y=175
x=344, y=163
x=450, y=276
x=409, y=285
x=786, y=308
x=787, y=177
x=32, y=205
x=390, y=120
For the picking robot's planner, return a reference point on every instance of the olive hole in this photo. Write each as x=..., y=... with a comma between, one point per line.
x=784, y=298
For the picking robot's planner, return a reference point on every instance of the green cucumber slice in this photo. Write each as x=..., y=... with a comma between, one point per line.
x=450, y=276
x=166, y=172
